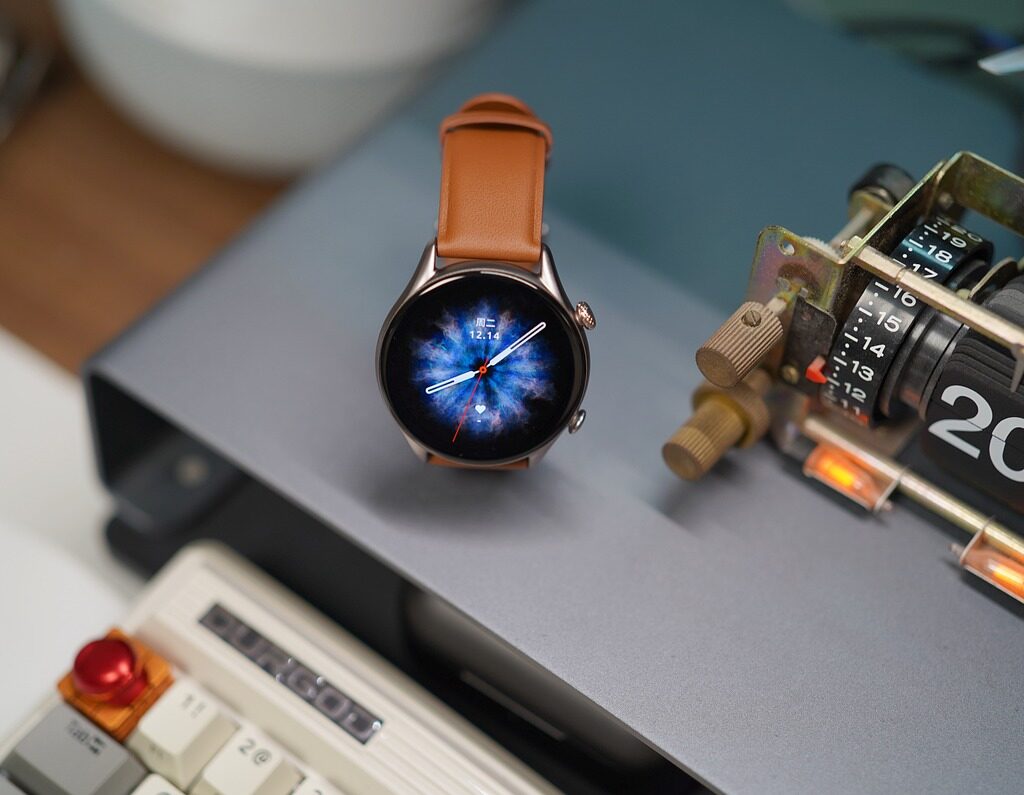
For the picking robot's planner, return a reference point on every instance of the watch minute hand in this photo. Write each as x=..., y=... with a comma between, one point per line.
x=449, y=382
x=518, y=343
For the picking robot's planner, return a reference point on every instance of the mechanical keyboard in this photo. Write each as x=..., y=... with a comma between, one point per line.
x=221, y=682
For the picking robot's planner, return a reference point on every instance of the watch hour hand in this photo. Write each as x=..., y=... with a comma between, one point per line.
x=529, y=335
x=450, y=382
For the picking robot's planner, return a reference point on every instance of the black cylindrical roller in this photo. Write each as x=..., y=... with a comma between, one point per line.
x=891, y=181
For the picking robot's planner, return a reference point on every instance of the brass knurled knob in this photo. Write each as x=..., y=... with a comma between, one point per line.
x=739, y=345
x=697, y=446
x=722, y=419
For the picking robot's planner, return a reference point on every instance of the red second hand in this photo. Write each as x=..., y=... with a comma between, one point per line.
x=465, y=411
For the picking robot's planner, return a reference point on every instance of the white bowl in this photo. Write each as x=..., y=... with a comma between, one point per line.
x=265, y=86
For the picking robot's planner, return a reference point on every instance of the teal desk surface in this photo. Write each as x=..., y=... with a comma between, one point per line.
x=683, y=128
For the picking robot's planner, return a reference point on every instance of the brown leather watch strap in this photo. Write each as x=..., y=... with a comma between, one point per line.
x=494, y=151
x=522, y=463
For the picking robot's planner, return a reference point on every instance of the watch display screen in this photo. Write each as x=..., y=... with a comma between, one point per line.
x=482, y=367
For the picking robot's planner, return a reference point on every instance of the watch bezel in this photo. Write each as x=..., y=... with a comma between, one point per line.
x=432, y=273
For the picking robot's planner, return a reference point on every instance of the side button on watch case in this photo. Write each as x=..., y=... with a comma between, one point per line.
x=585, y=316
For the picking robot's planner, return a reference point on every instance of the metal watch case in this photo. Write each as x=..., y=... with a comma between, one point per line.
x=543, y=276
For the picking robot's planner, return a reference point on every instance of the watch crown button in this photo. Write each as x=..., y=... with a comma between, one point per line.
x=585, y=315
x=576, y=420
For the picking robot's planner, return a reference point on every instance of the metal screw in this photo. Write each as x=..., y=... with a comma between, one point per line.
x=740, y=344
x=585, y=316
x=577, y=420
x=789, y=374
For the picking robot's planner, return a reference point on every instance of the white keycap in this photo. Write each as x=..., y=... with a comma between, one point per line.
x=315, y=786
x=249, y=764
x=181, y=733
x=156, y=785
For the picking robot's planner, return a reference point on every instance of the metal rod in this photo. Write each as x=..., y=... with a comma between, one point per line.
x=856, y=226
x=817, y=429
x=921, y=491
x=982, y=320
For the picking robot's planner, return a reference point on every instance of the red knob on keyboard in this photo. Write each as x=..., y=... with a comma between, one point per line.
x=108, y=670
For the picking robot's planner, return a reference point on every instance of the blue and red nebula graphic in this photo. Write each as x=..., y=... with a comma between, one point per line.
x=501, y=398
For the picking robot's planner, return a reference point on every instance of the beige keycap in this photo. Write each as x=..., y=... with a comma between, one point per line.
x=156, y=785
x=181, y=733
x=249, y=764
x=315, y=786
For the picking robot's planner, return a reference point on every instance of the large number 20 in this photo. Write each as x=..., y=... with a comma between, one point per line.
x=947, y=429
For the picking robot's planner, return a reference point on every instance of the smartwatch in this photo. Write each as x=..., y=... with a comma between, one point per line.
x=483, y=361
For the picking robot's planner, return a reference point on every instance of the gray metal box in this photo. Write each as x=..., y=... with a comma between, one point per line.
x=760, y=635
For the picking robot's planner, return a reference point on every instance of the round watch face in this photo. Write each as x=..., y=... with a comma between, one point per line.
x=482, y=367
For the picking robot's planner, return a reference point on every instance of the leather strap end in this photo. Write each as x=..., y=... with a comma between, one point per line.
x=498, y=118
x=494, y=151
x=499, y=109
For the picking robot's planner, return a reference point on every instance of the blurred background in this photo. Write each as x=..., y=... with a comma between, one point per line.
x=139, y=136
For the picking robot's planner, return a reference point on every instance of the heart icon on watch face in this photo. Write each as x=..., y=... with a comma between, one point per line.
x=480, y=408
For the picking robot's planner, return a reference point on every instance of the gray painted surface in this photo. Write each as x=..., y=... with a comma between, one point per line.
x=763, y=636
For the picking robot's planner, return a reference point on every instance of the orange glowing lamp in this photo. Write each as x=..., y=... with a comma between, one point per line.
x=844, y=474
x=998, y=564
